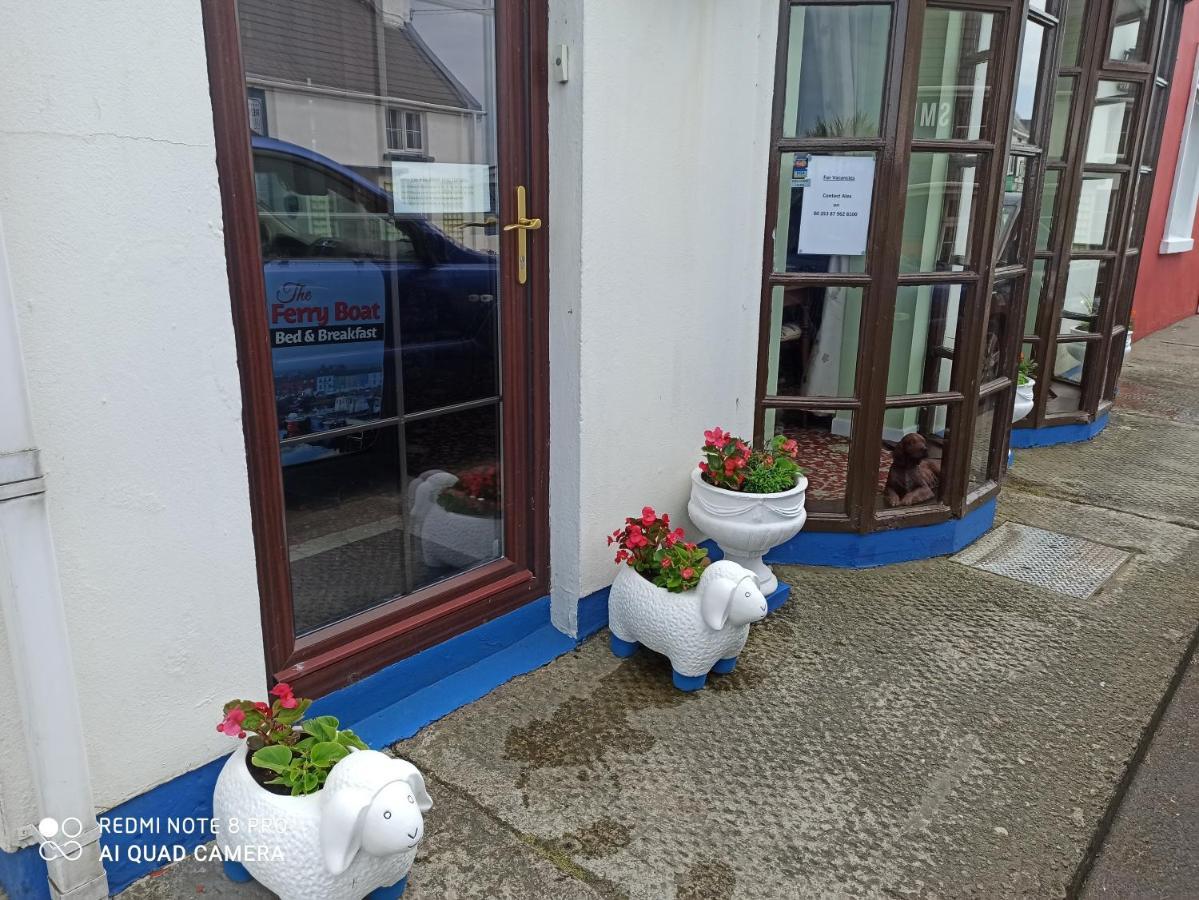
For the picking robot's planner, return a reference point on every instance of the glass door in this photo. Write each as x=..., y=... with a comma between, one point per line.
x=398, y=321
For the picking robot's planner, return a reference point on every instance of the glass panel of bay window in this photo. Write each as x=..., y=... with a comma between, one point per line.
x=1059, y=119
x=1086, y=291
x=997, y=345
x=1047, y=214
x=1098, y=210
x=454, y=501
x=924, y=337
x=823, y=437
x=1073, y=25
x=915, y=440
x=813, y=341
x=1130, y=31
x=824, y=212
x=1027, y=78
x=836, y=69
x=1011, y=211
x=1070, y=364
x=1036, y=288
x=937, y=215
x=381, y=272
x=1110, y=140
x=984, y=466
x=953, y=90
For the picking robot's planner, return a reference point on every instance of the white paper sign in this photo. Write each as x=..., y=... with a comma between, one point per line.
x=836, y=205
x=428, y=188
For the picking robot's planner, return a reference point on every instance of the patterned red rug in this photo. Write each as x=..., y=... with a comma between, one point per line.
x=825, y=458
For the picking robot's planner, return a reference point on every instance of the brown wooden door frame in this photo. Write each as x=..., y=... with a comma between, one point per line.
x=342, y=653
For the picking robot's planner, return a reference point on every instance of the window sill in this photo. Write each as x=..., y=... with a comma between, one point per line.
x=1176, y=245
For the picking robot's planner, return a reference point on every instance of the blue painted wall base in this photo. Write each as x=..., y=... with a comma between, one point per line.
x=777, y=597
x=881, y=548
x=1056, y=434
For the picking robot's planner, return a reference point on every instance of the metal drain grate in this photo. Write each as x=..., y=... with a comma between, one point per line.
x=1057, y=562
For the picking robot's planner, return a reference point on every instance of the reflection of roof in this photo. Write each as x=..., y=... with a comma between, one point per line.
x=331, y=43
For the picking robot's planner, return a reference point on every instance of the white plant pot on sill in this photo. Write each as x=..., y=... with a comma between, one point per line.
x=450, y=539
x=1024, y=400
x=702, y=630
x=356, y=837
x=746, y=525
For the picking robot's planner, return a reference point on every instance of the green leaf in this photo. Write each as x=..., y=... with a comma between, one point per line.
x=311, y=782
x=304, y=746
x=323, y=728
x=275, y=758
x=327, y=753
x=347, y=738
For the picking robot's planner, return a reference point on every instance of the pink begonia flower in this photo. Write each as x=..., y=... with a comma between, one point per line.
x=283, y=691
x=666, y=562
x=703, y=467
x=717, y=437
x=688, y=573
x=648, y=515
x=262, y=707
x=231, y=725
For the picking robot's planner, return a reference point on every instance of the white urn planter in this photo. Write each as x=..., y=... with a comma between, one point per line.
x=354, y=838
x=699, y=631
x=745, y=525
x=450, y=539
x=1024, y=400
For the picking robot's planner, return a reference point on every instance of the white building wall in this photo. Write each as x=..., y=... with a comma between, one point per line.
x=658, y=155
x=112, y=216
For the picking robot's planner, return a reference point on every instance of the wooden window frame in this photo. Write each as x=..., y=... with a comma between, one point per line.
x=344, y=652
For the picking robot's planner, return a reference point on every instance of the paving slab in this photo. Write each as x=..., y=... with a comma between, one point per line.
x=1152, y=851
x=920, y=730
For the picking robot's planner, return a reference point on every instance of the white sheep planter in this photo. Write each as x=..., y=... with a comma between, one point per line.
x=449, y=539
x=700, y=631
x=354, y=838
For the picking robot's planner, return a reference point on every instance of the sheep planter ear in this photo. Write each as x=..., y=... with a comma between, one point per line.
x=700, y=631
x=354, y=838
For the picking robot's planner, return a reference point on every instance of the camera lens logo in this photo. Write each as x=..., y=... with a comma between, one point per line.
x=58, y=840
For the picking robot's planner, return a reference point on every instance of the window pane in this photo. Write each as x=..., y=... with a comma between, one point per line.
x=824, y=212
x=1011, y=211
x=938, y=212
x=953, y=93
x=996, y=358
x=814, y=341
x=923, y=338
x=1111, y=122
x=984, y=465
x=1098, y=208
x=1073, y=24
x=916, y=440
x=824, y=441
x=1070, y=363
x=380, y=270
x=1059, y=122
x=1026, y=82
x=836, y=67
x=1035, y=290
x=1086, y=292
x=1130, y=31
x=1048, y=212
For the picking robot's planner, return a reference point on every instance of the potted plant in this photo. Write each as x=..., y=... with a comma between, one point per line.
x=669, y=597
x=1025, y=385
x=307, y=810
x=457, y=517
x=748, y=500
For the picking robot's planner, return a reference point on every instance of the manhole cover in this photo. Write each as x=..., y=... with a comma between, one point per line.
x=1057, y=562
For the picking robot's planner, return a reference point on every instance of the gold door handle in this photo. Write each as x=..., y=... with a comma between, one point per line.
x=522, y=226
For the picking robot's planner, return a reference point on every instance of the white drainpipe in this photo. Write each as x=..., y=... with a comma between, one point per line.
x=36, y=625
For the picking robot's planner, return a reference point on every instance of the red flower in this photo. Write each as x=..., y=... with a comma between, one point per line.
x=262, y=707
x=667, y=562
x=648, y=516
x=688, y=573
x=283, y=691
x=703, y=467
x=231, y=725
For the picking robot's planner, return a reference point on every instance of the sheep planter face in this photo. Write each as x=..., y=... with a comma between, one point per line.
x=356, y=837
x=747, y=525
x=700, y=631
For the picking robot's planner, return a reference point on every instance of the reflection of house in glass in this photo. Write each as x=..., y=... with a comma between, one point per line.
x=356, y=80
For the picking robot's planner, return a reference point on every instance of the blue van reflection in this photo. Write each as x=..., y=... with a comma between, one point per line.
x=349, y=279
